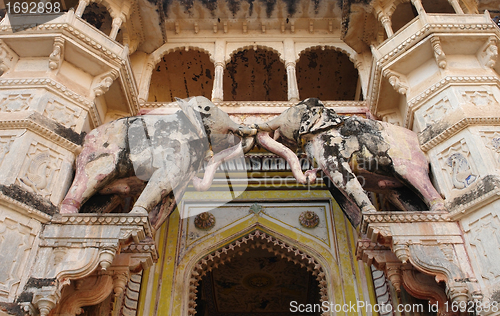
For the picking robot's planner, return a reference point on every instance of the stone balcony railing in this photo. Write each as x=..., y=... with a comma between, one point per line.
x=420, y=27
x=68, y=22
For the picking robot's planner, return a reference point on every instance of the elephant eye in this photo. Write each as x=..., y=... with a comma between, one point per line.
x=207, y=108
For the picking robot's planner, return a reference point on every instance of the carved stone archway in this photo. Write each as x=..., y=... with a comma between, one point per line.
x=256, y=239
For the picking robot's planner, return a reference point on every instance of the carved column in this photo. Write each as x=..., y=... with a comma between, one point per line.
x=293, y=90
x=115, y=26
x=218, y=90
x=146, y=79
x=82, y=4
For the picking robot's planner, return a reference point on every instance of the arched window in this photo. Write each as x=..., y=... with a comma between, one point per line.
x=404, y=13
x=437, y=6
x=98, y=16
x=326, y=74
x=182, y=74
x=255, y=75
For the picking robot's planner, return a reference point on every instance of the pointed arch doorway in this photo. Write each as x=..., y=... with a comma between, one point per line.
x=258, y=275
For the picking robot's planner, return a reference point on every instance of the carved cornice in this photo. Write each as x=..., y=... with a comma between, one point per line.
x=23, y=208
x=271, y=104
x=29, y=124
x=405, y=217
x=457, y=127
x=470, y=207
x=123, y=220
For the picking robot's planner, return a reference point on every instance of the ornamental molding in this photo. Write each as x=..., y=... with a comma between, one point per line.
x=457, y=127
x=105, y=219
x=267, y=104
x=465, y=209
x=40, y=130
x=406, y=217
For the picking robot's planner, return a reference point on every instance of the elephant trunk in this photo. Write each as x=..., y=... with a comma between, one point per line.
x=214, y=163
x=281, y=150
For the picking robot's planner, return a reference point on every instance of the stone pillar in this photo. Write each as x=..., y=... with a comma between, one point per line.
x=386, y=23
x=291, y=73
x=219, y=57
x=218, y=90
x=456, y=6
x=82, y=4
x=146, y=80
x=420, y=9
x=293, y=90
x=117, y=23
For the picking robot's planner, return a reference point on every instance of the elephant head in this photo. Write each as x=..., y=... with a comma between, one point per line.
x=308, y=116
x=212, y=122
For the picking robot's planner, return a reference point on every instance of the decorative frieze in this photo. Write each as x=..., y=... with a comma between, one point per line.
x=437, y=111
x=15, y=102
x=479, y=98
x=65, y=114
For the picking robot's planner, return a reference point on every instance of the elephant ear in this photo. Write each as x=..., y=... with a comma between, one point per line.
x=188, y=107
x=318, y=119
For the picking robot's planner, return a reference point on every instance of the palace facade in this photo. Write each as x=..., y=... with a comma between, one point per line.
x=257, y=242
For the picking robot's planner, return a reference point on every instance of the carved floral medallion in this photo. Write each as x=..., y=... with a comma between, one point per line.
x=309, y=219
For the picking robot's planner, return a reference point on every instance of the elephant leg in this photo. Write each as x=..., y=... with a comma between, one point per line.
x=159, y=185
x=345, y=180
x=419, y=180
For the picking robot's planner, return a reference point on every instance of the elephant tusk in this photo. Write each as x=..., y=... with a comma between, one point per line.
x=281, y=150
x=214, y=163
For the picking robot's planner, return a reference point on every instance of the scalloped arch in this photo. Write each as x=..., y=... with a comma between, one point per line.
x=160, y=52
x=350, y=54
x=254, y=47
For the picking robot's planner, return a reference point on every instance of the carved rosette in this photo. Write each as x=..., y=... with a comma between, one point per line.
x=204, y=221
x=309, y=219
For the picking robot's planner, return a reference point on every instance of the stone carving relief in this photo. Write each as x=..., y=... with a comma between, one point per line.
x=64, y=114
x=436, y=112
x=40, y=170
x=15, y=244
x=479, y=98
x=15, y=102
x=7, y=57
x=485, y=242
x=456, y=162
x=438, y=52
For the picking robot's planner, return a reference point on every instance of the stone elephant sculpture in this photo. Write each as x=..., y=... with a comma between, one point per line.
x=350, y=150
x=156, y=154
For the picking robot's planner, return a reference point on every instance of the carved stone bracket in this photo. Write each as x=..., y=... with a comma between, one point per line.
x=397, y=81
x=424, y=286
x=8, y=57
x=79, y=245
x=57, y=56
x=488, y=55
x=438, y=52
x=429, y=241
x=104, y=82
